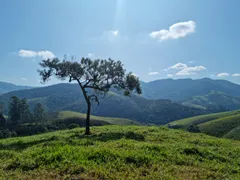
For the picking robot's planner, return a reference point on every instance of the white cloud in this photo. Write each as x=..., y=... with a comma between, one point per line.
x=169, y=75
x=27, y=53
x=31, y=54
x=185, y=70
x=115, y=33
x=190, y=70
x=134, y=74
x=236, y=75
x=24, y=79
x=91, y=56
x=153, y=73
x=178, y=30
x=222, y=75
x=178, y=66
x=191, y=62
x=109, y=36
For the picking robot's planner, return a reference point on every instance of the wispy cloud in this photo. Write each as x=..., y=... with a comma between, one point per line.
x=134, y=74
x=109, y=36
x=185, y=70
x=91, y=55
x=31, y=54
x=24, y=79
x=178, y=66
x=223, y=75
x=236, y=75
x=153, y=73
x=190, y=71
x=178, y=30
x=169, y=75
x=115, y=33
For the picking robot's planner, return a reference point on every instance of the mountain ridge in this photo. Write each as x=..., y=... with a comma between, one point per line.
x=6, y=87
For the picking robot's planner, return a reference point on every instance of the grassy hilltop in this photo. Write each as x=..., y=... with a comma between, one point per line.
x=120, y=152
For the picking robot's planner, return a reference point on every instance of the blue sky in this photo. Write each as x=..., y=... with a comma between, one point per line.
x=154, y=39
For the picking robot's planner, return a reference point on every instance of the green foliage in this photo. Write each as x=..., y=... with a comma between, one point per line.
x=99, y=75
x=19, y=111
x=117, y=152
x=25, y=114
x=14, y=110
x=2, y=120
x=38, y=113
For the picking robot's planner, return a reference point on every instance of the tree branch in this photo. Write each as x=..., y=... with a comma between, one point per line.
x=95, y=98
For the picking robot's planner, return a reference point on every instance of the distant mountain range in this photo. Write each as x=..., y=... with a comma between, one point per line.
x=69, y=97
x=8, y=87
x=162, y=101
x=184, y=89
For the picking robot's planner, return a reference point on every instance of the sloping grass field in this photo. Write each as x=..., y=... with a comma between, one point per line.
x=111, y=120
x=120, y=152
x=225, y=124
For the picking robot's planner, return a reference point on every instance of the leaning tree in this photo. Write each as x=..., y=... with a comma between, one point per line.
x=94, y=77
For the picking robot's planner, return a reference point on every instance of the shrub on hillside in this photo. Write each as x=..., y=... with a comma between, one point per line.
x=73, y=126
x=5, y=133
x=194, y=129
x=79, y=121
x=2, y=120
x=30, y=129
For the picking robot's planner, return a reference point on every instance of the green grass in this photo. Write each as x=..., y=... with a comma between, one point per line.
x=221, y=126
x=233, y=134
x=120, y=152
x=184, y=123
x=111, y=120
x=217, y=124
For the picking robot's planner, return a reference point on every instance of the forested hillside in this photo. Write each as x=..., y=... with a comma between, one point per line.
x=69, y=97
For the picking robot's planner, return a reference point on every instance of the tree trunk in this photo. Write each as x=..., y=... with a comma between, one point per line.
x=87, y=132
x=87, y=99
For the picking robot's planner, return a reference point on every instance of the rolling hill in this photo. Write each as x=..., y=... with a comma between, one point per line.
x=119, y=152
x=110, y=120
x=8, y=87
x=62, y=97
x=226, y=124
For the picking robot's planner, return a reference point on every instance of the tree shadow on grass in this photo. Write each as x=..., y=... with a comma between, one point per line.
x=21, y=145
x=104, y=137
x=110, y=136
